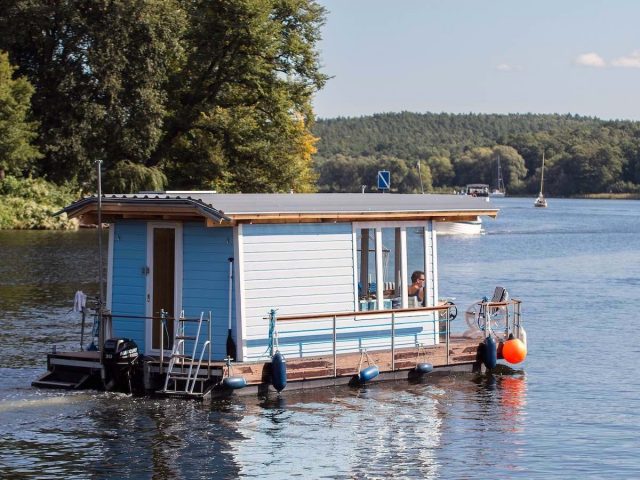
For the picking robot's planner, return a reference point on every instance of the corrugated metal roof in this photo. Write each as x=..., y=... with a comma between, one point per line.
x=300, y=203
x=229, y=207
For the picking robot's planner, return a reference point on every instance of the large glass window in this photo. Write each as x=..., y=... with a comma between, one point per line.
x=391, y=267
x=367, y=280
x=416, y=265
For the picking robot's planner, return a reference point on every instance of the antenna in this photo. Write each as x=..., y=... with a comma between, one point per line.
x=363, y=187
x=420, y=175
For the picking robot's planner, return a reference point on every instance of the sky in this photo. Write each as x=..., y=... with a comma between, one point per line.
x=481, y=56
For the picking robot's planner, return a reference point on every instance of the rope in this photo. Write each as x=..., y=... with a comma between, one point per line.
x=422, y=350
x=273, y=335
x=364, y=353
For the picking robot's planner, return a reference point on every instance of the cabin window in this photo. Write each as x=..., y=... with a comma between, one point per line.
x=392, y=268
x=367, y=279
x=415, y=259
x=386, y=259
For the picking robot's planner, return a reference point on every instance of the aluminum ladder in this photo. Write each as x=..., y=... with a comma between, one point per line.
x=184, y=371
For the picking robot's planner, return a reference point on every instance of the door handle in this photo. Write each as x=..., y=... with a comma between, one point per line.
x=148, y=297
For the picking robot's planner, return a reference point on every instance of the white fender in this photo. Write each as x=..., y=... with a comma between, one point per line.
x=522, y=335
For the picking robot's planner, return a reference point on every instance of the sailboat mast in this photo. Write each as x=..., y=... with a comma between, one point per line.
x=542, y=174
x=500, y=180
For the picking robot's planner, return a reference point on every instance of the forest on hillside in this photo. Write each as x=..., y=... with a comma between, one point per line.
x=583, y=155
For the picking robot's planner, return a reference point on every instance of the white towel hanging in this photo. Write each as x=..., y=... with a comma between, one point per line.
x=79, y=301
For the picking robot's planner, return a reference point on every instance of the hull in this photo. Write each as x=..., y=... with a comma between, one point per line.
x=460, y=228
x=540, y=202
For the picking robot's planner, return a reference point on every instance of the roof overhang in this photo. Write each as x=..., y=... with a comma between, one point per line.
x=144, y=208
x=233, y=209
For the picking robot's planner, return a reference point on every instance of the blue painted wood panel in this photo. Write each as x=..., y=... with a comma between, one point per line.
x=129, y=287
x=205, y=284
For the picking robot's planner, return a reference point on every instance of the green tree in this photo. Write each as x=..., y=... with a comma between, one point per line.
x=479, y=165
x=16, y=130
x=248, y=96
x=211, y=92
x=100, y=71
x=585, y=168
x=441, y=169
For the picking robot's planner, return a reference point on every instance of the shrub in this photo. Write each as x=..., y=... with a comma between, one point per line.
x=30, y=203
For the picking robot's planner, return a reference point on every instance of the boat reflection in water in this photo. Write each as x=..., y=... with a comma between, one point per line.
x=358, y=439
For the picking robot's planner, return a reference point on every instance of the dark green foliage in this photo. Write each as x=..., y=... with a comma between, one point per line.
x=16, y=130
x=350, y=174
x=29, y=203
x=583, y=155
x=212, y=93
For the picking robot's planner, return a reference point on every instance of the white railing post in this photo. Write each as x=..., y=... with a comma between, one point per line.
x=335, y=353
x=393, y=341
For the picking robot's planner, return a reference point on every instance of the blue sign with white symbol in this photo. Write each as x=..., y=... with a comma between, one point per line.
x=384, y=180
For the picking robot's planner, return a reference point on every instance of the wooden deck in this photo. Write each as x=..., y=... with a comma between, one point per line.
x=461, y=351
x=65, y=367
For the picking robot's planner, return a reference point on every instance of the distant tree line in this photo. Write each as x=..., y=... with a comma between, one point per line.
x=583, y=155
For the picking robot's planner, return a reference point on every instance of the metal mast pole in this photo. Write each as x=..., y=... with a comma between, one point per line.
x=101, y=330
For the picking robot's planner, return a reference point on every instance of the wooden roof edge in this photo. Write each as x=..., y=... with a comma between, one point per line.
x=445, y=216
x=115, y=204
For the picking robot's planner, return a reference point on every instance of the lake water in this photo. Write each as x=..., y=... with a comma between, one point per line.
x=571, y=410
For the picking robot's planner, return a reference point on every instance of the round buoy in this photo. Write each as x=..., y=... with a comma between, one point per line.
x=424, y=368
x=514, y=350
x=490, y=353
x=234, y=383
x=368, y=373
x=278, y=371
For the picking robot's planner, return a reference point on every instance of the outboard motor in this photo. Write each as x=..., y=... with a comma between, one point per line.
x=120, y=362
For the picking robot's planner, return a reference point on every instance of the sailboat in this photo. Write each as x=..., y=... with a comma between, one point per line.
x=499, y=191
x=541, y=201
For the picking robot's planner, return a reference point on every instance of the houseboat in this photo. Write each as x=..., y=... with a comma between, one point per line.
x=209, y=293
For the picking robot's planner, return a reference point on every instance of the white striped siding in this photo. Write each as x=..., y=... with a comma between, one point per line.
x=310, y=280
x=328, y=245
x=310, y=262
x=299, y=274
x=310, y=235
x=259, y=257
x=296, y=269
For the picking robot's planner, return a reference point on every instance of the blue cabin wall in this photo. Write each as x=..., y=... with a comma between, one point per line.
x=205, y=280
x=129, y=282
x=205, y=285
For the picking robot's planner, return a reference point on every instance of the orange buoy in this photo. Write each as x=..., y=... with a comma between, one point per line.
x=514, y=351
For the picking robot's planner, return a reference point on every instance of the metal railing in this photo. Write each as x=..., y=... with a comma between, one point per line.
x=500, y=318
x=396, y=320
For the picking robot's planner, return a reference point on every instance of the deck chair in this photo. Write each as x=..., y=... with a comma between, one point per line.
x=500, y=295
x=498, y=315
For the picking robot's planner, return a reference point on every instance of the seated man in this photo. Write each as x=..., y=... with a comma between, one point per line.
x=416, y=289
